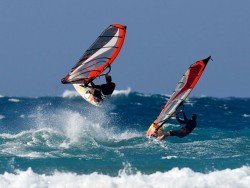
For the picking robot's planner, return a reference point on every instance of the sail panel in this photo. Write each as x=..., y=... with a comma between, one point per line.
x=98, y=56
x=182, y=90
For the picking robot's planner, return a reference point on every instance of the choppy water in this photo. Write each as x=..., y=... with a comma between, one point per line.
x=66, y=142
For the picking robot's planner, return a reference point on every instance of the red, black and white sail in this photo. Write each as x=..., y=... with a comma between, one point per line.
x=183, y=89
x=98, y=57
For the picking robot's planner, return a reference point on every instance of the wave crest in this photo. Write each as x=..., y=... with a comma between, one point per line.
x=50, y=133
x=175, y=177
x=14, y=100
x=70, y=94
x=122, y=92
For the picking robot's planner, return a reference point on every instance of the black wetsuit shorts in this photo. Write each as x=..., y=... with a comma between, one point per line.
x=179, y=133
x=98, y=94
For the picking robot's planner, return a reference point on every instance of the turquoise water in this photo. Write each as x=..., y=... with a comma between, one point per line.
x=66, y=136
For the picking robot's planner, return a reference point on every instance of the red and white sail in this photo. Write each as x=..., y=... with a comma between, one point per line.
x=98, y=57
x=183, y=89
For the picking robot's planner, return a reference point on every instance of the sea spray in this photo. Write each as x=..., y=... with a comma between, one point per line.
x=175, y=177
x=67, y=138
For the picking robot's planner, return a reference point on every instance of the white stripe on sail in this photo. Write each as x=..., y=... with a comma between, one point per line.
x=173, y=109
x=179, y=102
x=104, y=49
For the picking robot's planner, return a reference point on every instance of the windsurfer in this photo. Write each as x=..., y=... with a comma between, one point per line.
x=188, y=126
x=101, y=91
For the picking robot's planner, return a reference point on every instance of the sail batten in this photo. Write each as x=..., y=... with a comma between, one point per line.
x=98, y=56
x=181, y=92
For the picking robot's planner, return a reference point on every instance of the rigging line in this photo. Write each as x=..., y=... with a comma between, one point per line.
x=109, y=36
x=101, y=48
x=86, y=67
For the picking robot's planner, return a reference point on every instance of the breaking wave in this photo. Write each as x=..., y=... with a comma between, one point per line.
x=175, y=177
x=72, y=94
x=122, y=92
x=60, y=130
x=14, y=100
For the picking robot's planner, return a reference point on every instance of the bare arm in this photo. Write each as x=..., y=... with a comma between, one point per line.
x=95, y=86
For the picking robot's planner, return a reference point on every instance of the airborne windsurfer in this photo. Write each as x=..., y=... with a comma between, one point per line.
x=188, y=126
x=184, y=87
x=94, y=63
x=101, y=91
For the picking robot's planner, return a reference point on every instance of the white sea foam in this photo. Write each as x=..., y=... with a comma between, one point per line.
x=14, y=100
x=2, y=116
x=170, y=124
x=246, y=115
x=70, y=128
x=144, y=95
x=70, y=94
x=175, y=177
x=124, y=135
x=170, y=157
x=18, y=144
x=122, y=92
x=74, y=125
x=1, y=96
x=190, y=102
x=11, y=136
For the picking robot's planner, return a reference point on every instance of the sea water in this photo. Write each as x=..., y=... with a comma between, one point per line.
x=66, y=142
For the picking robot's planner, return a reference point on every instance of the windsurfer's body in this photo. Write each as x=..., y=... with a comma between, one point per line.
x=103, y=90
x=188, y=126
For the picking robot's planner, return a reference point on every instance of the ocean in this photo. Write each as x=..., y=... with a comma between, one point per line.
x=63, y=141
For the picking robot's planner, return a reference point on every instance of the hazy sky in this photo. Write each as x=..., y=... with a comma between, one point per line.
x=41, y=40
